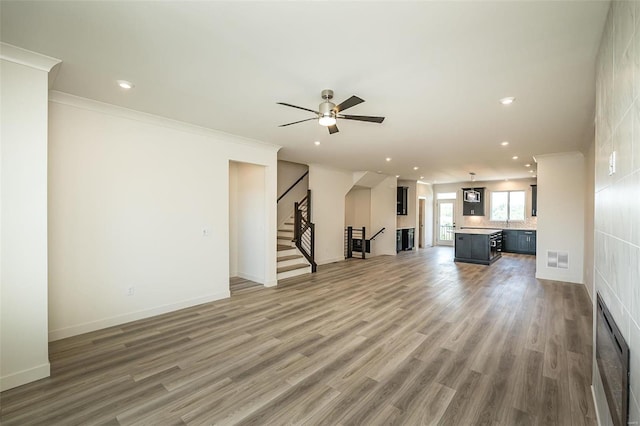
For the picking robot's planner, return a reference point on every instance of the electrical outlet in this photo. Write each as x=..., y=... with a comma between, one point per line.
x=131, y=291
x=206, y=231
x=612, y=163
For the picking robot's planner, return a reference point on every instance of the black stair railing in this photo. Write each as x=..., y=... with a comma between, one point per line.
x=293, y=186
x=304, y=230
x=355, y=241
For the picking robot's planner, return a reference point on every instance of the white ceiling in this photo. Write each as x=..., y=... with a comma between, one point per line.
x=435, y=70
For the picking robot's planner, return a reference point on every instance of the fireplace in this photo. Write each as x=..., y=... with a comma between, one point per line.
x=612, y=356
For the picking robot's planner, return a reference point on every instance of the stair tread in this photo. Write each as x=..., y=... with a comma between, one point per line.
x=292, y=267
x=289, y=257
x=288, y=231
x=285, y=247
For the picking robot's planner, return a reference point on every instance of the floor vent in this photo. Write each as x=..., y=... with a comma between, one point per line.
x=558, y=259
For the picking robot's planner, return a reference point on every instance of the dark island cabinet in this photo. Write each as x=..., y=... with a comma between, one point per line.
x=473, y=208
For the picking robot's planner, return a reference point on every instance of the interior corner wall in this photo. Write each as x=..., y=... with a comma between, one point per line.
x=357, y=209
x=328, y=189
x=233, y=219
x=24, y=353
x=383, y=215
x=617, y=196
x=561, y=201
x=589, y=209
x=426, y=191
x=250, y=216
x=138, y=201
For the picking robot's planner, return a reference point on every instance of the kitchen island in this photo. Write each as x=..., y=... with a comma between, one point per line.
x=481, y=246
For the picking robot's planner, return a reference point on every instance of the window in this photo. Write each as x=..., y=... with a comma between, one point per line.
x=446, y=196
x=507, y=205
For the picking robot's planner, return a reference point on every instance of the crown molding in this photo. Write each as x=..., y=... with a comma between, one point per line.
x=118, y=111
x=18, y=55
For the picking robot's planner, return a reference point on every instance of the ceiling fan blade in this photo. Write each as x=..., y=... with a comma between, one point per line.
x=333, y=129
x=299, y=107
x=296, y=122
x=362, y=118
x=352, y=101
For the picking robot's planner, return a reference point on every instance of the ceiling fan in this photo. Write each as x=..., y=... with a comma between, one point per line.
x=328, y=112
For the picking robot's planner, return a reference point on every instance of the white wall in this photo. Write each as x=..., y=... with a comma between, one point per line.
x=617, y=197
x=250, y=222
x=130, y=197
x=425, y=191
x=561, y=202
x=357, y=210
x=288, y=174
x=328, y=189
x=23, y=226
x=383, y=215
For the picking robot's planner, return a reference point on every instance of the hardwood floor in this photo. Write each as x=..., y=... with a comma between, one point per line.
x=412, y=339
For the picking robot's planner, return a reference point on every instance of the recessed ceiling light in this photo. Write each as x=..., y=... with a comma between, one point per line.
x=421, y=177
x=125, y=84
x=527, y=165
x=505, y=143
x=534, y=176
x=317, y=143
x=416, y=168
x=515, y=157
x=507, y=101
x=397, y=176
x=379, y=171
x=388, y=158
x=530, y=171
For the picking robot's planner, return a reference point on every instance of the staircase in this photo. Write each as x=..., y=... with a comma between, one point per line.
x=291, y=262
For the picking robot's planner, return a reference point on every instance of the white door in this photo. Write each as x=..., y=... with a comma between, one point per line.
x=445, y=222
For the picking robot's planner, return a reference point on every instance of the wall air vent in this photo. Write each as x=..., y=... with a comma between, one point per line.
x=558, y=259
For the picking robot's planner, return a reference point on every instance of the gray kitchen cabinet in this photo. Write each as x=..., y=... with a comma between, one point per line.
x=519, y=241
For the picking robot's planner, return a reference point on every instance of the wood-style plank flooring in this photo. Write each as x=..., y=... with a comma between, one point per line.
x=410, y=339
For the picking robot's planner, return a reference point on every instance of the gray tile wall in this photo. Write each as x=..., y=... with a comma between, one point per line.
x=617, y=196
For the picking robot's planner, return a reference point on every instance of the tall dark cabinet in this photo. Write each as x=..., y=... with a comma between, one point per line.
x=534, y=200
x=403, y=199
x=471, y=208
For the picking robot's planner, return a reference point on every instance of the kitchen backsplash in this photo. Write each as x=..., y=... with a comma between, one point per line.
x=484, y=222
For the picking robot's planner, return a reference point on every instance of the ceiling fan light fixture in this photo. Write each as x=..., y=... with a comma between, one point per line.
x=327, y=120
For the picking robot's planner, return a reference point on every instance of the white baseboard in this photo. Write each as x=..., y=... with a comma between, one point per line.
x=593, y=396
x=23, y=377
x=250, y=277
x=133, y=316
x=327, y=261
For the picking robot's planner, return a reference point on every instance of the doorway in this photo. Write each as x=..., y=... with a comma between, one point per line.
x=445, y=222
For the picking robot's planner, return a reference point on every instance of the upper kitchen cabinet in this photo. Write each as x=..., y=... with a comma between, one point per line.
x=403, y=199
x=473, y=201
x=534, y=200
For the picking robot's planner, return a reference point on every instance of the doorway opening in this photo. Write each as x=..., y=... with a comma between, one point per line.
x=247, y=236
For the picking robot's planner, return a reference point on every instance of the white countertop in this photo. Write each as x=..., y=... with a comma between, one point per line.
x=477, y=231
x=502, y=229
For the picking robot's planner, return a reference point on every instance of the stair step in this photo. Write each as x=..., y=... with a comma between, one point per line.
x=293, y=267
x=289, y=257
x=282, y=247
x=284, y=238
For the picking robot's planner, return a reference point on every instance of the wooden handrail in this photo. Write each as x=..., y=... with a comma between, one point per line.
x=292, y=186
